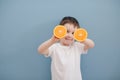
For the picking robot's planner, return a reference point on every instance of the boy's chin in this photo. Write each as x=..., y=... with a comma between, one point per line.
x=69, y=43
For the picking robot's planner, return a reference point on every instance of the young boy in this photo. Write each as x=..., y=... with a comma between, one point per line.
x=65, y=53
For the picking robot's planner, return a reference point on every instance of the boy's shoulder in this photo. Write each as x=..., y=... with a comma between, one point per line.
x=75, y=44
x=78, y=43
x=55, y=44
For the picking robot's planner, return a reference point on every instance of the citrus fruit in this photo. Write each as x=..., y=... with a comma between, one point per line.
x=80, y=34
x=60, y=31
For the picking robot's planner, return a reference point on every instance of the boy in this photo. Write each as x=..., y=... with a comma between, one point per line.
x=65, y=53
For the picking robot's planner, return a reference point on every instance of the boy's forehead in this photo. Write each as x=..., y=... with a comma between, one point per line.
x=70, y=26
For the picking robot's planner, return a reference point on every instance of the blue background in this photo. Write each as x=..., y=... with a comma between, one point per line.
x=25, y=24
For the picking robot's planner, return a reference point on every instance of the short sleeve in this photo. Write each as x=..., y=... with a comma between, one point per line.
x=51, y=50
x=81, y=48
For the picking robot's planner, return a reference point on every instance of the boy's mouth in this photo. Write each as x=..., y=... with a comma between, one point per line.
x=70, y=39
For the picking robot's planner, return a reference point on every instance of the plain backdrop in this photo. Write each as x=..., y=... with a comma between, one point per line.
x=25, y=24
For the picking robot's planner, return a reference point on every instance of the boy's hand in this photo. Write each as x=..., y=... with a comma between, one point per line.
x=54, y=39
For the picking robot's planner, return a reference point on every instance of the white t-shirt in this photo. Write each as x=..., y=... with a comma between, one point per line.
x=65, y=63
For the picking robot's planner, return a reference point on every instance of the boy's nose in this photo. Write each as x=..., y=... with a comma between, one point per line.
x=70, y=35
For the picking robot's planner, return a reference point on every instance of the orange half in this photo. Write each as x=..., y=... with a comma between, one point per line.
x=60, y=31
x=80, y=34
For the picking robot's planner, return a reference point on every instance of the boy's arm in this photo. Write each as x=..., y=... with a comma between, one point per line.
x=88, y=44
x=44, y=47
